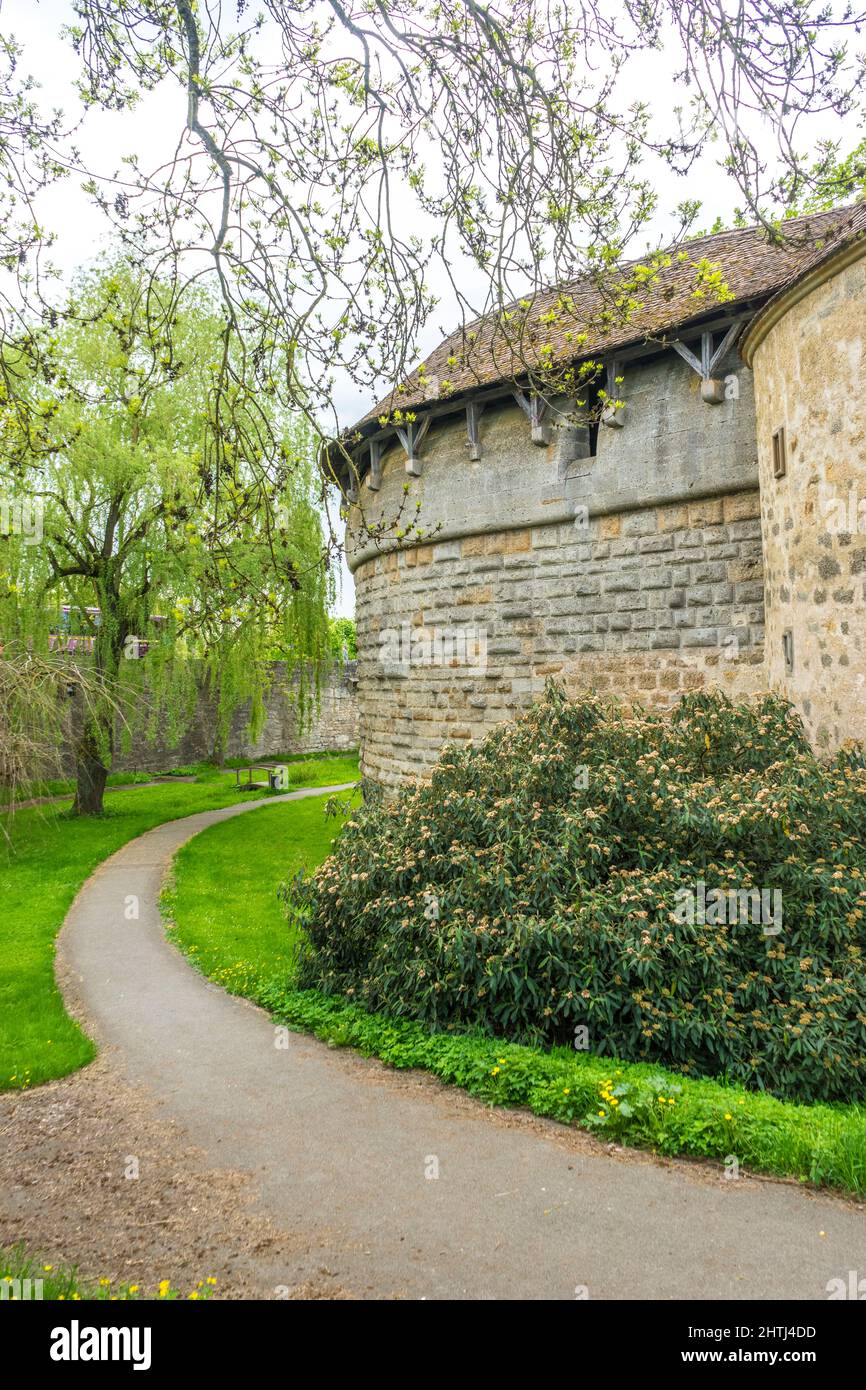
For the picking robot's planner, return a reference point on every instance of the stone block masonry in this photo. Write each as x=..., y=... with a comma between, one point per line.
x=642, y=605
x=810, y=359
x=629, y=564
x=330, y=724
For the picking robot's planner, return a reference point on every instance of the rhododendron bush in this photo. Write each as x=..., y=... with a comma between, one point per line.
x=593, y=876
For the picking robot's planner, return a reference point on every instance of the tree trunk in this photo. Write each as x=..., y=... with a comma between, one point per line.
x=91, y=774
x=94, y=750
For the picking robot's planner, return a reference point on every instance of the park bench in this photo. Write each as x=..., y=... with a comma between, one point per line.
x=276, y=775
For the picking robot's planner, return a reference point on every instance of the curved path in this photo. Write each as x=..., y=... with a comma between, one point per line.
x=340, y=1148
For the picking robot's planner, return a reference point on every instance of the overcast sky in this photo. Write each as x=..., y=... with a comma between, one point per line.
x=152, y=131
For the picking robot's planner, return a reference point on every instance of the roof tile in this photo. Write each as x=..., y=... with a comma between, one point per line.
x=548, y=333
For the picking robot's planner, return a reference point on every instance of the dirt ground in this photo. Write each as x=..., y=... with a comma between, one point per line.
x=65, y=1150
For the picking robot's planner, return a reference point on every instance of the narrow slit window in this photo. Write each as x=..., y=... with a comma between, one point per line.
x=593, y=439
x=594, y=413
x=780, y=453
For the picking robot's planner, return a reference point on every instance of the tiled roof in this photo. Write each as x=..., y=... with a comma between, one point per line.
x=752, y=269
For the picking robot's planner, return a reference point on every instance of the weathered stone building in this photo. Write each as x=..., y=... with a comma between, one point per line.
x=807, y=350
x=640, y=550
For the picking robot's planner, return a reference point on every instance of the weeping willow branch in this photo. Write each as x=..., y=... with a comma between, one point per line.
x=35, y=695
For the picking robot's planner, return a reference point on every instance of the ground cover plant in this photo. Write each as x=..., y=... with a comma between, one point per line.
x=545, y=888
x=47, y=856
x=23, y=1279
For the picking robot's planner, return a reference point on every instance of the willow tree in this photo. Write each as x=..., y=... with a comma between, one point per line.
x=176, y=569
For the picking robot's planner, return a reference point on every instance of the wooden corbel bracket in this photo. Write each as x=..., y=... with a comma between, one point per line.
x=412, y=438
x=536, y=411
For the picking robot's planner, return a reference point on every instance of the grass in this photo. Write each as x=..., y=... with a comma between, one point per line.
x=288, y=758
x=65, y=786
x=236, y=933
x=296, y=762
x=48, y=1282
x=48, y=856
x=232, y=922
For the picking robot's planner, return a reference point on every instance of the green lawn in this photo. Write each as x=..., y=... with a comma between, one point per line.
x=64, y=786
x=223, y=892
x=298, y=764
x=48, y=856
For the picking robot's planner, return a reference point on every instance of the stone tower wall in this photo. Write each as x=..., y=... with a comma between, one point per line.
x=809, y=358
x=635, y=573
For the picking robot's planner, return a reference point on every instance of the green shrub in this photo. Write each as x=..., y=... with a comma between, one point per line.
x=538, y=886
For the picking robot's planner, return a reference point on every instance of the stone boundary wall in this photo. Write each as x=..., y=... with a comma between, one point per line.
x=642, y=605
x=331, y=724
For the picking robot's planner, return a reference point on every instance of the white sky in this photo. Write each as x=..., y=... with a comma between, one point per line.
x=152, y=131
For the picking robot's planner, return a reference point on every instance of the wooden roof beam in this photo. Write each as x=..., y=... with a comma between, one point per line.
x=536, y=409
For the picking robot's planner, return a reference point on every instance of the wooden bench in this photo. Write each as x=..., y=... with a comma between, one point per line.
x=272, y=772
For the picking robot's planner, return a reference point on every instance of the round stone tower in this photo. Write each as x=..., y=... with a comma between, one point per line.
x=498, y=536
x=807, y=348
